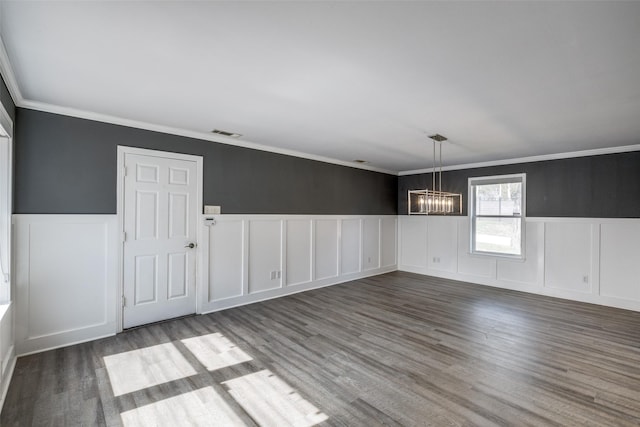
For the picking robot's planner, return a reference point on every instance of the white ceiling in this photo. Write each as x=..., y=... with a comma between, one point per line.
x=345, y=80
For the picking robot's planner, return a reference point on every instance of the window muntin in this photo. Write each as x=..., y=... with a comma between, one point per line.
x=497, y=213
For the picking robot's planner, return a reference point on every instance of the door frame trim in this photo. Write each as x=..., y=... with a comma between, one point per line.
x=122, y=151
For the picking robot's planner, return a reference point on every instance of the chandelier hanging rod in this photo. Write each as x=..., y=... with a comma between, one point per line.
x=435, y=201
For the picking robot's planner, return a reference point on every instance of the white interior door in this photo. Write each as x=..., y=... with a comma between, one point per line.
x=159, y=249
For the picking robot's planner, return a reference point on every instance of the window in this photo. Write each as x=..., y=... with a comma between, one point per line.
x=5, y=206
x=497, y=214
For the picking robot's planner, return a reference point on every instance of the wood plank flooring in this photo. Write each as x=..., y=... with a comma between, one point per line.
x=395, y=349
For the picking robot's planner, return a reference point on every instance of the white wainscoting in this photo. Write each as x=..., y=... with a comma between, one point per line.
x=248, y=258
x=583, y=259
x=67, y=267
x=66, y=279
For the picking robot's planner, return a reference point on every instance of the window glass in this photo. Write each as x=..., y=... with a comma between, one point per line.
x=498, y=235
x=499, y=199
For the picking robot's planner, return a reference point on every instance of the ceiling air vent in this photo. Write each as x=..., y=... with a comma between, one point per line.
x=225, y=133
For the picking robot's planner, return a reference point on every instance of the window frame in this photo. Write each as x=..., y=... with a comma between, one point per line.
x=6, y=199
x=497, y=179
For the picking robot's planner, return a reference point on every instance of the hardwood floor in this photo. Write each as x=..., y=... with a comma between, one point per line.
x=395, y=349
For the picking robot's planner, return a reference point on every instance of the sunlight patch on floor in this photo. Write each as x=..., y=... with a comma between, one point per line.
x=215, y=351
x=147, y=367
x=271, y=402
x=202, y=407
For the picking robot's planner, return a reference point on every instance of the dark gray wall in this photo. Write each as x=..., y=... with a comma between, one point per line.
x=7, y=101
x=66, y=165
x=606, y=186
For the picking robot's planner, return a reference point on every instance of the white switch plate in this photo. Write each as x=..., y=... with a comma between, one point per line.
x=211, y=210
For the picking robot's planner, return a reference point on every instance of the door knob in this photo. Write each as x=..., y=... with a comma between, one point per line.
x=191, y=245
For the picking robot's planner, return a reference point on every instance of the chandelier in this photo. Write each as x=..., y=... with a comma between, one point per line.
x=432, y=201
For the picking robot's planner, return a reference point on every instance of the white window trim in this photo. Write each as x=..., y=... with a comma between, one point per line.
x=6, y=168
x=523, y=215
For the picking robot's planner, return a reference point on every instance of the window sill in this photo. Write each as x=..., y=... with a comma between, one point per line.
x=504, y=257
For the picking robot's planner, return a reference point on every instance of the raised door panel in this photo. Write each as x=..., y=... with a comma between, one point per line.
x=370, y=243
x=567, y=256
x=145, y=282
x=265, y=248
x=177, y=276
x=350, y=246
x=226, y=260
x=413, y=241
x=620, y=260
x=147, y=173
x=298, y=252
x=147, y=215
x=179, y=176
x=178, y=215
x=442, y=243
x=326, y=249
x=388, y=248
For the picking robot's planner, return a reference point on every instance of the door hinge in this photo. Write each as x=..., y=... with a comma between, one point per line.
x=124, y=236
x=124, y=301
x=126, y=170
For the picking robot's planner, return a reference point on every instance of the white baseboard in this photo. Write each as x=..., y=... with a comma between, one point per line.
x=64, y=339
x=294, y=289
x=529, y=288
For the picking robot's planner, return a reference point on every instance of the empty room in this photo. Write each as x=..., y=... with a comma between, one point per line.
x=319, y=213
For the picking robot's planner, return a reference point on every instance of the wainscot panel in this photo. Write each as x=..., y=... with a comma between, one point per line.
x=620, y=260
x=301, y=251
x=351, y=246
x=583, y=259
x=66, y=279
x=326, y=249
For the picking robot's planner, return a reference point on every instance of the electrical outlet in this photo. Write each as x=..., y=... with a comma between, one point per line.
x=279, y=274
x=273, y=275
x=585, y=279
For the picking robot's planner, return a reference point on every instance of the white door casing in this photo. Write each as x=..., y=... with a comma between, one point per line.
x=161, y=199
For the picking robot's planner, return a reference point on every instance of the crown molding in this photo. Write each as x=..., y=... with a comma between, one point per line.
x=9, y=76
x=104, y=118
x=12, y=85
x=530, y=159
